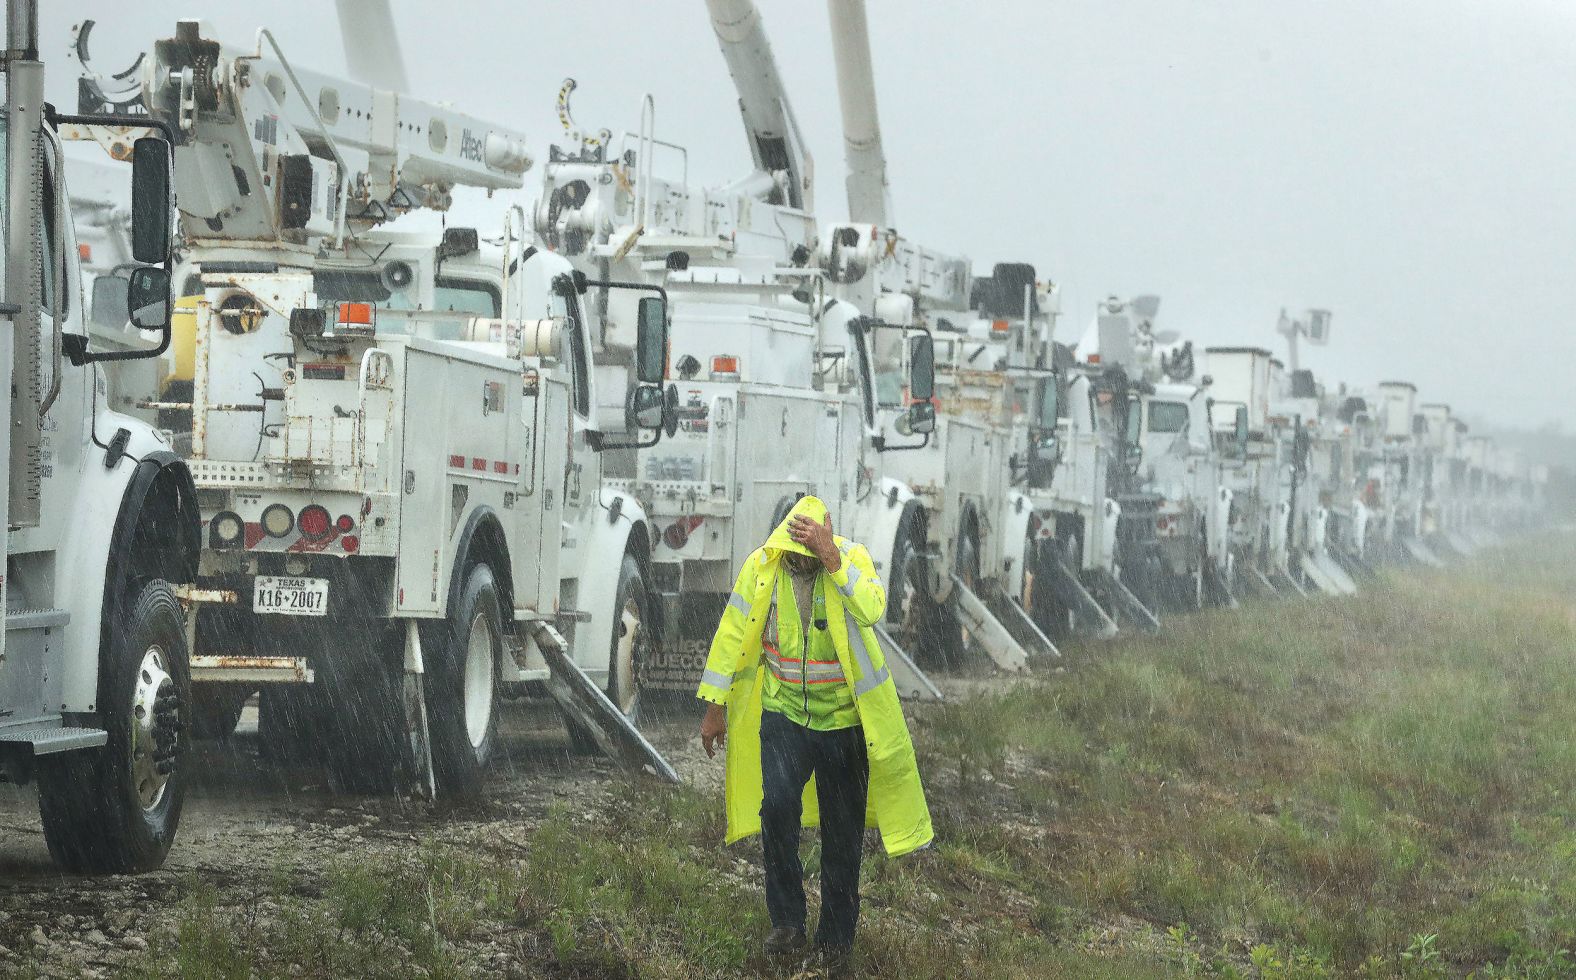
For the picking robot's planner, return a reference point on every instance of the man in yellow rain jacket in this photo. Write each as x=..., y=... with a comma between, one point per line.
x=799, y=688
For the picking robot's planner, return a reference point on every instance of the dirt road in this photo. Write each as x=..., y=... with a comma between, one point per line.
x=247, y=823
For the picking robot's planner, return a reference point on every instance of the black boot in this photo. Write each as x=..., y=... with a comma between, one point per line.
x=784, y=941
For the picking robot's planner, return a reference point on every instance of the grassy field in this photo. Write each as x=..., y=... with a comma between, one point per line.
x=1381, y=786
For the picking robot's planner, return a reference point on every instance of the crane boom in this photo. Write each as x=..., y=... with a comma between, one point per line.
x=269, y=152
x=868, y=201
x=372, y=51
x=775, y=143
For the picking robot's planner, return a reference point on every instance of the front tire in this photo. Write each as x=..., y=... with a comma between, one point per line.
x=115, y=809
x=629, y=646
x=462, y=687
x=631, y=639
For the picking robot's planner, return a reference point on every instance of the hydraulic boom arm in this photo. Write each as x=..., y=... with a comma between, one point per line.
x=775, y=143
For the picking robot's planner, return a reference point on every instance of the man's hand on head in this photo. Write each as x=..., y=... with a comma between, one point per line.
x=818, y=539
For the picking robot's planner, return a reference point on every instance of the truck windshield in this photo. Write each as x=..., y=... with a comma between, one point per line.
x=449, y=296
x=887, y=364
x=1167, y=417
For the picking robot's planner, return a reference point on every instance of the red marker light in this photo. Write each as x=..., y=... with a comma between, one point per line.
x=350, y=543
x=313, y=521
x=345, y=524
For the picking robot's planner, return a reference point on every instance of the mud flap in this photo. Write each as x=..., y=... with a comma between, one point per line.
x=1071, y=591
x=421, y=777
x=1129, y=604
x=911, y=682
x=1422, y=552
x=579, y=697
x=986, y=629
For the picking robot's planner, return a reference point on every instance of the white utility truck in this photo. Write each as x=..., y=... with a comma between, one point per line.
x=393, y=439
x=778, y=383
x=101, y=517
x=951, y=482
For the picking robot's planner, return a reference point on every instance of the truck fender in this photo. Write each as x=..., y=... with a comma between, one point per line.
x=878, y=519
x=102, y=552
x=481, y=538
x=603, y=548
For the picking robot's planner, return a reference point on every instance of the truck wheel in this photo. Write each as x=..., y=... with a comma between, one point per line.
x=353, y=718
x=1046, y=607
x=217, y=710
x=954, y=638
x=462, y=687
x=115, y=809
x=288, y=730
x=905, y=585
x=631, y=639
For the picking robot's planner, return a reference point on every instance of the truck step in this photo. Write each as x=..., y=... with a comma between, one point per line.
x=223, y=668
x=582, y=700
x=911, y=682
x=36, y=619
x=48, y=739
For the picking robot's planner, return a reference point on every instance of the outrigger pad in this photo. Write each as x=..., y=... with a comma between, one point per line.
x=578, y=696
x=911, y=682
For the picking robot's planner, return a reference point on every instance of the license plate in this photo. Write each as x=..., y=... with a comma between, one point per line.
x=289, y=595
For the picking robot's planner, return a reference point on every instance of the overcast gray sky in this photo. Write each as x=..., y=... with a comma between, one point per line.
x=1406, y=163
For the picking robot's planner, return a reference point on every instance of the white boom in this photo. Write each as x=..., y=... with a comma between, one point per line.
x=868, y=201
x=372, y=51
x=775, y=143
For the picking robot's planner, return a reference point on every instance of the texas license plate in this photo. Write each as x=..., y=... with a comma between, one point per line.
x=290, y=595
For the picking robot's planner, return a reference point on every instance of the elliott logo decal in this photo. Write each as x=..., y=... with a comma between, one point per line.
x=471, y=146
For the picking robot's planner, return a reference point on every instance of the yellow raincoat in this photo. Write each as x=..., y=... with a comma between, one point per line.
x=735, y=672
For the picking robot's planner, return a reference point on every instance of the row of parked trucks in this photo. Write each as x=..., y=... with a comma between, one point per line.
x=381, y=475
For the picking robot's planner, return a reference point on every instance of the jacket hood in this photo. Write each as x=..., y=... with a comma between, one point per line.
x=809, y=506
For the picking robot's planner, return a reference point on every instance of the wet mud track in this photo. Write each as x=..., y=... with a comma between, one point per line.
x=246, y=822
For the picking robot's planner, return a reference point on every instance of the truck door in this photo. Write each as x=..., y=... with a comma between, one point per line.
x=582, y=476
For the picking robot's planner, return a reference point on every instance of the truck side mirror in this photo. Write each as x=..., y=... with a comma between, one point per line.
x=1239, y=435
x=647, y=407
x=922, y=418
x=111, y=301
x=651, y=340
x=148, y=297
x=150, y=201
x=921, y=369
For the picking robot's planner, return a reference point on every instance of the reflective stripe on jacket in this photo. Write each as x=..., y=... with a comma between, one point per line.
x=737, y=666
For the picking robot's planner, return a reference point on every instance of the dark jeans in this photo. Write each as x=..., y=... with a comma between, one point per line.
x=789, y=754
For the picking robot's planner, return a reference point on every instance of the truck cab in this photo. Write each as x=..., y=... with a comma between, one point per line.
x=101, y=517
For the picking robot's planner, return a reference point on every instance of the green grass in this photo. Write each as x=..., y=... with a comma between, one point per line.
x=1380, y=786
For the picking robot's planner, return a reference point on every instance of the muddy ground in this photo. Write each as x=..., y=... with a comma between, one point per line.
x=245, y=821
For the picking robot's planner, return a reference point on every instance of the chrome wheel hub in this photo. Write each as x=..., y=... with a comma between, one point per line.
x=631, y=638
x=155, y=727
x=479, y=681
